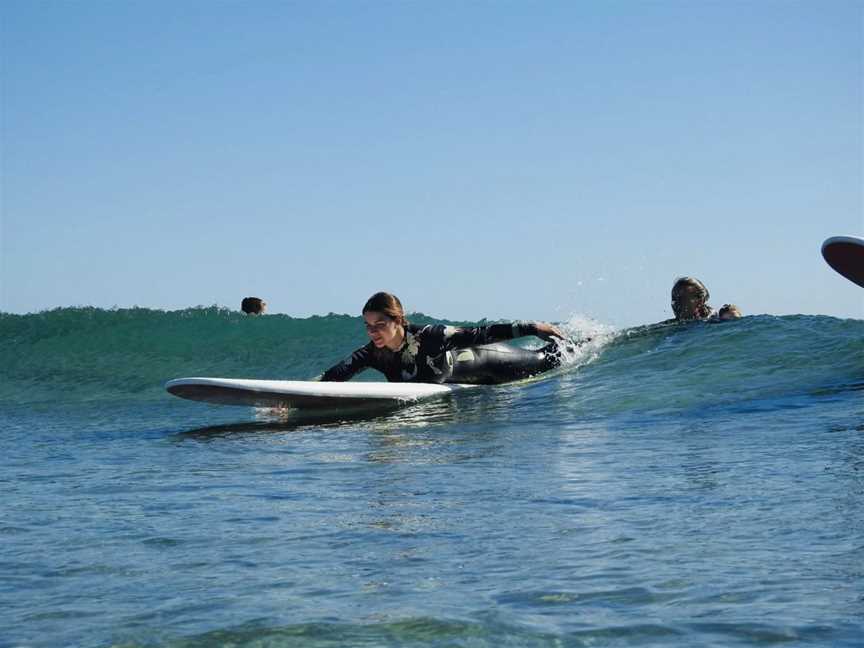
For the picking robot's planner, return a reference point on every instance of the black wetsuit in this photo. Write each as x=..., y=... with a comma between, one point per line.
x=436, y=354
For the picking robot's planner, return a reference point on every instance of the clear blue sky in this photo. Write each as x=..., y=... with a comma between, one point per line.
x=479, y=159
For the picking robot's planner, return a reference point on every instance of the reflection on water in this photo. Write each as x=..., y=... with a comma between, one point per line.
x=291, y=423
x=286, y=420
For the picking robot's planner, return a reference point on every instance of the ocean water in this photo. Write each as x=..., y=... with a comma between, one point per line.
x=697, y=485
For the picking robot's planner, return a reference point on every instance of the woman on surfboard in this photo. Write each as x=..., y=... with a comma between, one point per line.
x=436, y=353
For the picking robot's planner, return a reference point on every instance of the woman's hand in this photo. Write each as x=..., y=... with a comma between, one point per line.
x=547, y=331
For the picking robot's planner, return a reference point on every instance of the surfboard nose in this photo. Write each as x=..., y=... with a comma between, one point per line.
x=846, y=255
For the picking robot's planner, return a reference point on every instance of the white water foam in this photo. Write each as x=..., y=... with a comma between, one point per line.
x=591, y=337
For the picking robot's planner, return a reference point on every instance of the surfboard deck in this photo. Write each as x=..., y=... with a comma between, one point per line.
x=846, y=255
x=302, y=394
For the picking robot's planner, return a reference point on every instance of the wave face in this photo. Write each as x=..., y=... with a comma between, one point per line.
x=74, y=354
x=80, y=354
x=757, y=362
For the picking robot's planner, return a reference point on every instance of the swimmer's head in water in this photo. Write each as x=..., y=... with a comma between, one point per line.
x=253, y=305
x=729, y=312
x=690, y=299
x=385, y=319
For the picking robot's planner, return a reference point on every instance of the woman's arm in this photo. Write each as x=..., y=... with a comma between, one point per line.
x=349, y=367
x=547, y=331
x=460, y=337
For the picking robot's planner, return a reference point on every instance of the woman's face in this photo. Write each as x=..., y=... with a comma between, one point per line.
x=382, y=330
x=692, y=303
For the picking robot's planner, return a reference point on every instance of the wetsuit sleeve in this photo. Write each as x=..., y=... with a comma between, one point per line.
x=350, y=366
x=458, y=337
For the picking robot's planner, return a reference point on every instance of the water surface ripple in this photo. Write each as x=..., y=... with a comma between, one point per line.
x=693, y=486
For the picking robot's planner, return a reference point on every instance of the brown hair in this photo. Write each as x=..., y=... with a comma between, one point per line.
x=685, y=284
x=387, y=304
x=252, y=305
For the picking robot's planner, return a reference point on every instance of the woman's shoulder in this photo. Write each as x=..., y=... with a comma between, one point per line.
x=364, y=351
x=429, y=333
x=424, y=329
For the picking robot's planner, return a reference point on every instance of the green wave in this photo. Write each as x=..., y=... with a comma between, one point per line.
x=79, y=354
x=73, y=354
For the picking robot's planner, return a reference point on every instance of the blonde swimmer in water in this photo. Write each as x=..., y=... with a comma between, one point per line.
x=690, y=300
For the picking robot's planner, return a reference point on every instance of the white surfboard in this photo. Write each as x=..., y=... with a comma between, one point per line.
x=303, y=394
x=846, y=255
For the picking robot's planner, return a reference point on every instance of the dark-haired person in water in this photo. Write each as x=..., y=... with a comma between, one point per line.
x=253, y=306
x=436, y=353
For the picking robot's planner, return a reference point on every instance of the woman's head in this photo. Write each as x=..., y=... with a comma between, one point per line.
x=253, y=305
x=690, y=299
x=385, y=319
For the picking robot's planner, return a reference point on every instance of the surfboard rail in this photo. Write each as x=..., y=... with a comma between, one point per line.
x=302, y=394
